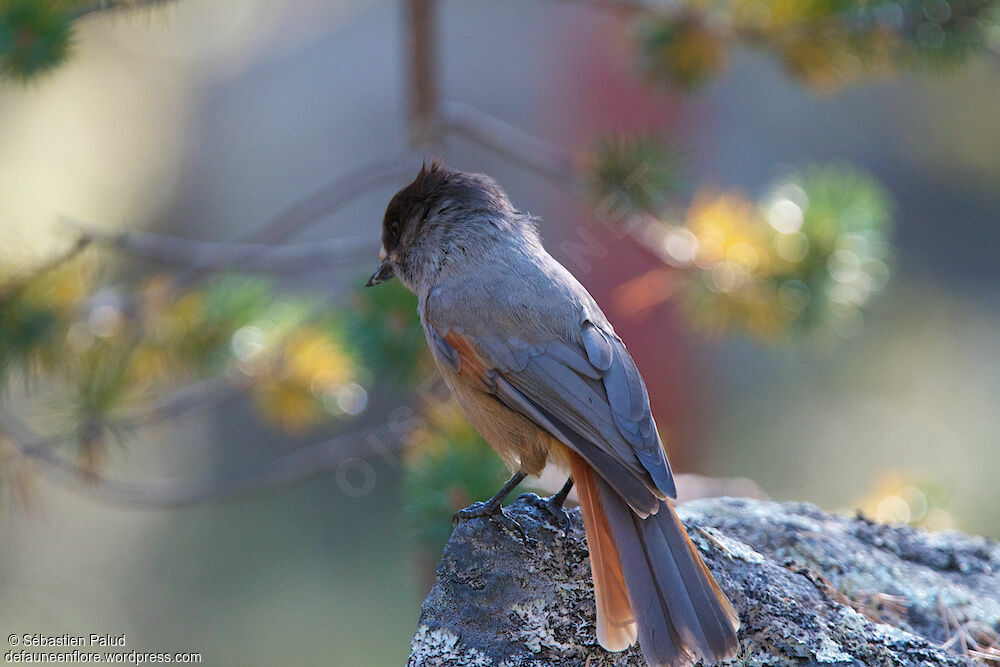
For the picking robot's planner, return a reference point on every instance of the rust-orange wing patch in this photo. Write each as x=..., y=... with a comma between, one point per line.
x=473, y=366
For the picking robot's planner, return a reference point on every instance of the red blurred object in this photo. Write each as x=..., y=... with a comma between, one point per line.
x=596, y=92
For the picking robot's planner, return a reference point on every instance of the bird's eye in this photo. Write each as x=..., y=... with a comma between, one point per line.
x=394, y=227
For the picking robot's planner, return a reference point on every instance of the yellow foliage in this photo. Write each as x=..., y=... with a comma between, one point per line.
x=291, y=388
x=149, y=365
x=187, y=311
x=735, y=252
x=70, y=284
x=310, y=354
x=695, y=52
x=896, y=498
x=729, y=229
x=443, y=425
x=59, y=287
x=288, y=406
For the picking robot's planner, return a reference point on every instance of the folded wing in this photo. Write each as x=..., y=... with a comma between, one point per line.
x=587, y=394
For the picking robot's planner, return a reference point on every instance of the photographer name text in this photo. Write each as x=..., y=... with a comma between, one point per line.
x=94, y=639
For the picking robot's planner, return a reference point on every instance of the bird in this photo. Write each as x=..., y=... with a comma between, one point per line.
x=538, y=369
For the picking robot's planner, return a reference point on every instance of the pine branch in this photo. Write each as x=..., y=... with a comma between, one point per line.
x=218, y=256
x=112, y=5
x=183, y=402
x=15, y=286
x=509, y=142
x=299, y=466
x=536, y=155
x=306, y=212
x=339, y=192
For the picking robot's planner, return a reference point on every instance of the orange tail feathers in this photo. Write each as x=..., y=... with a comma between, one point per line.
x=649, y=581
x=616, y=627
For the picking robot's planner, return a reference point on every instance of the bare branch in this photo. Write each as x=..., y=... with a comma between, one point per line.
x=508, y=141
x=242, y=256
x=628, y=7
x=187, y=400
x=299, y=466
x=306, y=212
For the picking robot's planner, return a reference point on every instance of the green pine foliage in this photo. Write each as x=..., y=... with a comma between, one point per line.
x=101, y=352
x=630, y=175
x=37, y=307
x=449, y=468
x=35, y=38
x=823, y=43
x=383, y=325
x=683, y=51
x=29, y=328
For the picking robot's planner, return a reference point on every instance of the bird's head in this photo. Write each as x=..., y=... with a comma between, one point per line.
x=444, y=220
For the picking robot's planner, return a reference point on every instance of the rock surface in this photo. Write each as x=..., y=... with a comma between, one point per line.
x=811, y=588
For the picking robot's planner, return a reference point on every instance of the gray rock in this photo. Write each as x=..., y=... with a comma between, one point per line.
x=811, y=588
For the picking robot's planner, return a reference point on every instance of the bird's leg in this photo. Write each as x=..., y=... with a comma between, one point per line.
x=554, y=504
x=491, y=506
x=493, y=509
x=560, y=497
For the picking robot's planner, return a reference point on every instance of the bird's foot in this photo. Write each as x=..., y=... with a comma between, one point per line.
x=476, y=510
x=553, y=505
x=496, y=513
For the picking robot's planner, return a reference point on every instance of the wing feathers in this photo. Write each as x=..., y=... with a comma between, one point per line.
x=565, y=354
x=443, y=351
x=594, y=391
x=635, y=491
x=598, y=347
x=629, y=402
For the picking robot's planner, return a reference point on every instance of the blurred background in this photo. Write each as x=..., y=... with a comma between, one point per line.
x=230, y=448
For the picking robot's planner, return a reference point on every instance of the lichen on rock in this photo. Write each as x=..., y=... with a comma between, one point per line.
x=811, y=588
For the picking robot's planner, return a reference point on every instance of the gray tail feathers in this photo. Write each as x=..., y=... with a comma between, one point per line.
x=681, y=613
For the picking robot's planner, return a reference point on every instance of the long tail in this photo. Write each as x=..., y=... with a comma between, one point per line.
x=649, y=581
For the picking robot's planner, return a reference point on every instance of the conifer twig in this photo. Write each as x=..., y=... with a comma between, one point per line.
x=112, y=5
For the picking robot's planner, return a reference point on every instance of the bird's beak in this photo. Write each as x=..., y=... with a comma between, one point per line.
x=382, y=273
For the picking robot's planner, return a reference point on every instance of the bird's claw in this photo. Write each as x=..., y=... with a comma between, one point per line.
x=494, y=513
x=553, y=505
x=474, y=511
